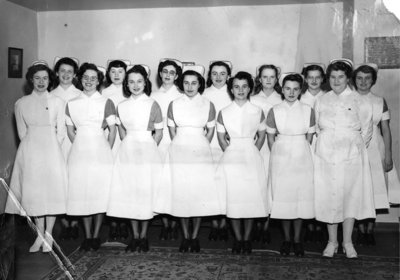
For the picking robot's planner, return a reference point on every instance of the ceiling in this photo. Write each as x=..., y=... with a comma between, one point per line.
x=74, y=5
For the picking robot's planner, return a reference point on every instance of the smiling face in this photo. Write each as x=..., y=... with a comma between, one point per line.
x=191, y=85
x=291, y=91
x=168, y=75
x=136, y=84
x=117, y=75
x=338, y=81
x=268, y=78
x=90, y=81
x=65, y=74
x=240, y=89
x=314, y=80
x=364, y=82
x=219, y=76
x=40, y=81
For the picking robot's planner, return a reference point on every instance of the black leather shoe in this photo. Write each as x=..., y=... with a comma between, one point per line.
x=96, y=242
x=143, y=245
x=133, y=245
x=298, y=249
x=184, y=245
x=194, y=245
x=86, y=245
x=285, y=248
x=237, y=247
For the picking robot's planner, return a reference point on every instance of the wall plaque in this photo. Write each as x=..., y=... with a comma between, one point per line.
x=384, y=51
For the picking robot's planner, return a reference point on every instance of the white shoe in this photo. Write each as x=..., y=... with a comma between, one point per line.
x=36, y=245
x=330, y=249
x=48, y=243
x=349, y=250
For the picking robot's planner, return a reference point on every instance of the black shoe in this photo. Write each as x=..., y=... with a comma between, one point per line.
x=266, y=237
x=164, y=233
x=133, y=245
x=247, y=248
x=184, y=245
x=143, y=245
x=86, y=245
x=113, y=235
x=75, y=232
x=285, y=248
x=237, y=247
x=298, y=249
x=370, y=239
x=123, y=232
x=213, y=236
x=194, y=245
x=65, y=233
x=96, y=242
x=173, y=233
x=361, y=239
x=223, y=234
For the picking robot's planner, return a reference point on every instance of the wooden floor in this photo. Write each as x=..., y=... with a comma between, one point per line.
x=33, y=266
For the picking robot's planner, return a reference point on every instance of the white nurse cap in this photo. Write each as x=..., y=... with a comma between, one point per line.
x=179, y=63
x=344, y=60
x=57, y=58
x=197, y=68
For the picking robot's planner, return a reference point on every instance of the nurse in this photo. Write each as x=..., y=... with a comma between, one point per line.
x=188, y=188
x=217, y=92
x=66, y=69
x=168, y=74
x=137, y=167
x=39, y=180
x=342, y=178
x=90, y=161
x=379, y=149
x=115, y=75
x=267, y=94
x=290, y=128
x=241, y=170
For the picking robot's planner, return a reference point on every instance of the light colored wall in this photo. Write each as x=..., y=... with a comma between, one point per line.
x=18, y=28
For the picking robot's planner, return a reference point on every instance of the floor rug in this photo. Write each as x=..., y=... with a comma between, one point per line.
x=112, y=262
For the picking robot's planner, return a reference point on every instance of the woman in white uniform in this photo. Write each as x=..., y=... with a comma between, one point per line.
x=138, y=165
x=267, y=94
x=115, y=75
x=188, y=188
x=290, y=129
x=314, y=78
x=66, y=69
x=217, y=92
x=90, y=160
x=240, y=173
x=39, y=179
x=379, y=149
x=168, y=74
x=342, y=176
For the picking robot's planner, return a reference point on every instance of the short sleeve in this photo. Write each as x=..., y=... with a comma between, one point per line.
x=220, y=123
x=386, y=112
x=271, y=125
x=109, y=113
x=211, y=116
x=263, y=123
x=170, y=115
x=155, y=120
x=68, y=119
x=312, y=122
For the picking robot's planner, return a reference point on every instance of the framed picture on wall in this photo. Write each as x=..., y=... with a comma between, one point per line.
x=15, y=56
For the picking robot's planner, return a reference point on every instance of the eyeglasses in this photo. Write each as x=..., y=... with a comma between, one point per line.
x=91, y=79
x=166, y=72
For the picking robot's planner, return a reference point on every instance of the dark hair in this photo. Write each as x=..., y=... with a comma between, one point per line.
x=309, y=68
x=200, y=78
x=165, y=63
x=89, y=66
x=36, y=68
x=115, y=64
x=367, y=70
x=66, y=61
x=138, y=69
x=217, y=63
x=295, y=77
x=241, y=76
x=259, y=85
x=339, y=66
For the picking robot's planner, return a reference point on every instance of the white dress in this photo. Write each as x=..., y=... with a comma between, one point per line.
x=70, y=93
x=240, y=174
x=309, y=99
x=115, y=94
x=138, y=164
x=188, y=187
x=220, y=98
x=39, y=177
x=266, y=103
x=376, y=154
x=342, y=176
x=90, y=160
x=164, y=97
x=291, y=172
